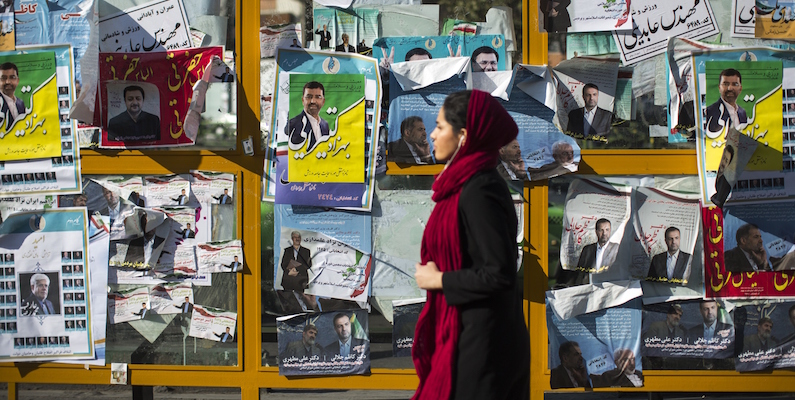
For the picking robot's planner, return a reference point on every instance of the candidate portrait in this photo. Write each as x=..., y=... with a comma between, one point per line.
x=726, y=112
x=308, y=128
x=590, y=120
x=133, y=123
x=413, y=146
x=671, y=265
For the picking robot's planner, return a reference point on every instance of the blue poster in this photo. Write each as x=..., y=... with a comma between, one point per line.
x=70, y=25
x=399, y=49
x=32, y=22
x=767, y=334
x=694, y=329
x=412, y=118
x=598, y=349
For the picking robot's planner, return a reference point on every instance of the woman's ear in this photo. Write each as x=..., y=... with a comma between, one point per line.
x=463, y=138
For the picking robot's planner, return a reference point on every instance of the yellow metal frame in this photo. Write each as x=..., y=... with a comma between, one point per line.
x=249, y=375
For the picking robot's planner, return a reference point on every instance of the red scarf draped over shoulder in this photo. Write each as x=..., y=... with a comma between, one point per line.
x=489, y=128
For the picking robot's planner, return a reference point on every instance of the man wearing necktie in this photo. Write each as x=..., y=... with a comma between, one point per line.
x=345, y=345
x=40, y=287
x=591, y=120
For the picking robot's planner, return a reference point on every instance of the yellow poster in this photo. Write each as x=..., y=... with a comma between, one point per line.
x=775, y=19
x=29, y=113
x=325, y=132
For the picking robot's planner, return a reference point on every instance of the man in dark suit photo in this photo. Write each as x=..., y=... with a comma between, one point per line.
x=571, y=372
x=296, y=262
x=308, y=127
x=12, y=106
x=325, y=37
x=671, y=265
x=187, y=233
x=726, y=111
x=224, y=337
x=134, y=123
x=224, y=198
x=345, y=346
x=37, y=303
x=413, y=146
x=182, y=199
x=750, y=254
x=722, y=186
x=511, y=166
x=306, y=347
x=143, y=311
x=187, y=306
x=710, y=328
x=345, y=47
x=235, y=265
x=594, y=258
x=590, y=120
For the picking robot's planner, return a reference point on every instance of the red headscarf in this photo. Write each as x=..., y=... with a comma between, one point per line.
x=489, y=128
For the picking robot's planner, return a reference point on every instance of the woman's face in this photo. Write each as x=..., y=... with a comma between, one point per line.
x=445, y=139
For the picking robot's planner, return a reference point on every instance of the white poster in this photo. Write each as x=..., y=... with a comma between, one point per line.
x=160, y=25
x=212, y=324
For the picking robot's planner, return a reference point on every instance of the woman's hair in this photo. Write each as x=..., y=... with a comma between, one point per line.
x=455, y=109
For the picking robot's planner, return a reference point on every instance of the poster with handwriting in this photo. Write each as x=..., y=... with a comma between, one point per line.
x=29, y=120
x=595, y=216
x=46, y=285
x=213, y=324
x=278, y=185
x=320, y=265
x=586, y=85
x=325, y=132
x=654, y=22
x=139, y=110
x=309, y=344
x=742, y=281
x=159, y=25
x=593, y=16
x=691, y=329
x=601, y=349
x=666, y=227
x=220, y=256
x=765, y=336
x=774, y=19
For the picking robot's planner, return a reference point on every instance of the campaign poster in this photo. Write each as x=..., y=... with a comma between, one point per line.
x=412, y=118
x=351, y=227
x=653, y=23
x=589, y=16
x=595, y=216
x=137, y=111
x=744, y=18
x=692, y=329
x=728, y=276
x=315, y=264
x=168, y=190
x=487, y=49
x=597, y=349
x=773, y=19
x=139, y=239
x=128, y=304
x=7, y=39
x=159, y=25
x=70, y=25
x=213, y=324
x=171, y=298
x=29, y=112
x=541, y=150
x=666, y=226
x=211, y=187
x=765, y=336
x=273, y=37
x=325, y=132
x=46, y=286
x=405, y=316
x=31, y=22
x=361, y=25
x=328, y=343
x=220, y=256
x=586, y=85
x=278, y=186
